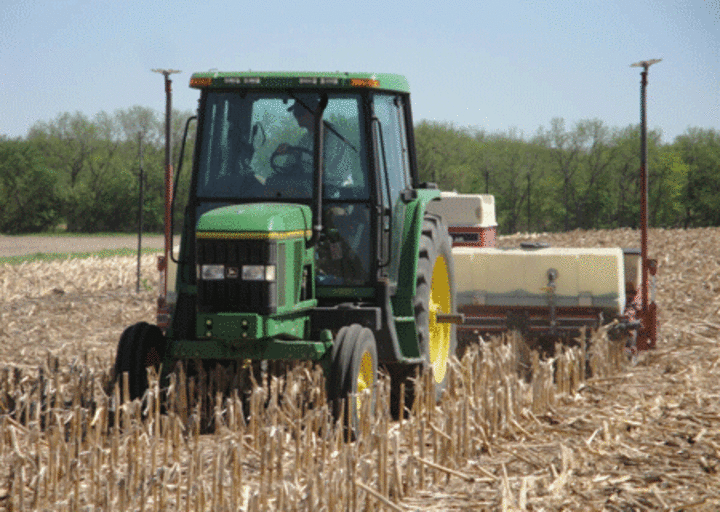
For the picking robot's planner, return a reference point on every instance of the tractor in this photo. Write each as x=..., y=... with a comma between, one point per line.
x=306, y=237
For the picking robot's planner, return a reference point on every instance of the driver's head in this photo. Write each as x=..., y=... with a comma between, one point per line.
x=303, y=109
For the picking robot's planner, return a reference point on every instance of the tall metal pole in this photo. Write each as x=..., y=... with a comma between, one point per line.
x=644, y=184
x=168, y=167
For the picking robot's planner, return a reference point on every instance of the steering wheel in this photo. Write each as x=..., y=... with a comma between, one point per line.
x=288, y=150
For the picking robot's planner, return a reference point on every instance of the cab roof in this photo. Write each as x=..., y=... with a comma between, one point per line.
x=298, y=80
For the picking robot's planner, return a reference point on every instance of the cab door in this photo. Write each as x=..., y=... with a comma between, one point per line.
x=393, y=165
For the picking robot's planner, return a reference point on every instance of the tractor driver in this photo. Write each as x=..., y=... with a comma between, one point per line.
x=293, y=163
x=305, y=119
x=339, y=159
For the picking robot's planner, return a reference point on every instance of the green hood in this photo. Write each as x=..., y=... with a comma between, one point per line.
x=281, y=218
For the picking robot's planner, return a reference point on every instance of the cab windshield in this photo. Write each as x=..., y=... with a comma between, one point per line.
x=260, y=145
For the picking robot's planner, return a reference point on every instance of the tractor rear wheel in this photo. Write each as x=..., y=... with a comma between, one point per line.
x=435, y=294
x=141, y=345
x=354, y=370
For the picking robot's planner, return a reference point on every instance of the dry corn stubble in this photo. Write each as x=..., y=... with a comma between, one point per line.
x=642, y=436
x=71, y=307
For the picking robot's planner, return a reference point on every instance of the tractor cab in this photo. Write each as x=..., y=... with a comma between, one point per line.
x=337, y=144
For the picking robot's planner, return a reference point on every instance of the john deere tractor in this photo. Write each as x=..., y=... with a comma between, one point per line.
x=306, y=237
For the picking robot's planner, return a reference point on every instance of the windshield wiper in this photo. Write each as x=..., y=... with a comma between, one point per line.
x=331, y=127
x=327, y=124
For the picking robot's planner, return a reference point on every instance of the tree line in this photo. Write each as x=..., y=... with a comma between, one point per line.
x=82, y=173
x=586, y=176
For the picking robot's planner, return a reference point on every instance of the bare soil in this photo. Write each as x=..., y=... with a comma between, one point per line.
x=31, y=244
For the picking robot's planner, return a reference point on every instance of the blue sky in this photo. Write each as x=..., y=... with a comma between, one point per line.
x=491, y=65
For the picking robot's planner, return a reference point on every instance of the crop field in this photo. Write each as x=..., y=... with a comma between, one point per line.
x=512, y=432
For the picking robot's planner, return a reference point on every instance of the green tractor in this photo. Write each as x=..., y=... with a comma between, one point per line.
x=305, y=238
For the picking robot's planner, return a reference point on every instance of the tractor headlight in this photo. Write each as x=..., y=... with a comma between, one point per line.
x=212, y=272
x=258, y=272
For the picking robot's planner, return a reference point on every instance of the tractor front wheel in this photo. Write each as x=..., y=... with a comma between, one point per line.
x=353, y=374
x=141, y=345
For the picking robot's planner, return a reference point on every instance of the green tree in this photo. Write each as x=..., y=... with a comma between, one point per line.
x=83, y=152
x=514, y=166
x=625, y=177
x=700, y=150
x=28, y=200
x=447, y=155
x=68, y=142
x=98, y=160
x=566, y=152
x=109, y=207
x=142, y=142
x=668, y=189
x=593, y=201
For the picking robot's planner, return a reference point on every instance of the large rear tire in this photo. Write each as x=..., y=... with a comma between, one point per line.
x=141, y=345
x=435, y=293
x=354, y=370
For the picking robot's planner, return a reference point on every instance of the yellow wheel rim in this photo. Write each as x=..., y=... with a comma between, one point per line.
x=365, y=378
x=440, y=302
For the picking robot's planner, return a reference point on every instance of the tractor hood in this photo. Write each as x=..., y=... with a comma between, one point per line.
x=278, y=220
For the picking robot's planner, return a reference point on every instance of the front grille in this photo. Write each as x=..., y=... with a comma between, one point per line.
x=234, y=294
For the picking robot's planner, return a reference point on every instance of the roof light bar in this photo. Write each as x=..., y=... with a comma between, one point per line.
x=282, y=80
x=364, y=82
x=200, y=82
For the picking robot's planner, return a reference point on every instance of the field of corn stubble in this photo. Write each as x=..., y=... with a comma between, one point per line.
x=635, y=435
